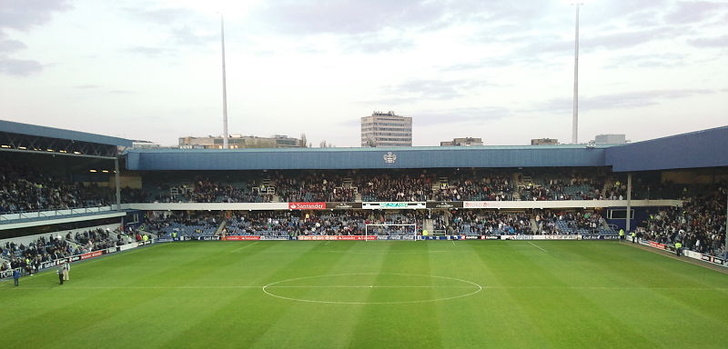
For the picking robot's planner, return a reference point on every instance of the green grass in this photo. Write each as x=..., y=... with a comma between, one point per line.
x=434, y=294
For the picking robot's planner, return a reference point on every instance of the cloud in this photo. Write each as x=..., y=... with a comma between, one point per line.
x=184, y=28
x=161, y=16
x=101, y=89
x=352, y=17
x=9, y=46
x=375, y=43
x=695, y=11
x=121, y=92
x=461, y=116
x=717, y=42
x=19, y=67
x=629, y=38
x=625, y=100
x=187, y=36
x=531, y=49
x=309, y=17
x=418, y=90
x=23, y=15
x=646, y=61
x=639, y=99
x=152, y=52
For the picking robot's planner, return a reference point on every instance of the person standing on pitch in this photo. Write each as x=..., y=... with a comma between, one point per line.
x=60, y=275
x=678, y=248
x=16, y=276
x=66, y=269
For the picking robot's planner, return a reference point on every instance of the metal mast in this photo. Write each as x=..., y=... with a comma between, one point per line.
x=575, y=119
x=224, y=88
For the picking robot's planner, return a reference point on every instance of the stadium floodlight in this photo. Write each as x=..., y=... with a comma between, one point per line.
x=225, y=134
x=230, y=8
x=575, y=117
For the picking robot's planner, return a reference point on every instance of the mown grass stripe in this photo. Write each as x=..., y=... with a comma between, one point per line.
x=200, y=294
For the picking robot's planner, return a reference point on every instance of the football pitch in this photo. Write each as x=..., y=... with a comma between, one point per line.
x=425, y=294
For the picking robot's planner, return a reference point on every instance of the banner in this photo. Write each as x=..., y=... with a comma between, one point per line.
x=306, y=205
x=91, y=254
x=715, y=260
x=441, y=237
x=393, y=205
x=335, y=237
x=690, y=254
x=128, y=246
x=444, y=204
x=479, y=204
x=657, y=245
x=539, y=237
x=408, y=237
x=240, y=238
x=343, y=205
x=599, y=237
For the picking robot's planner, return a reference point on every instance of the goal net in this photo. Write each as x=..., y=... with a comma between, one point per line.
x=390, y=231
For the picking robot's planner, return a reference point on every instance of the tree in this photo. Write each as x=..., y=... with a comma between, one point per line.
x=303, y=142
x=371, y=142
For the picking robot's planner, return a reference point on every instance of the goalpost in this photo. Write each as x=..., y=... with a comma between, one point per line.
x=387, y=231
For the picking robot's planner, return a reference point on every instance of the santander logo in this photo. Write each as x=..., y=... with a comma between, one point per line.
x=307, y=205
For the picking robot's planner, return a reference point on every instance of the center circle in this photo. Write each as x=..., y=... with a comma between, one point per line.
x=372, y=288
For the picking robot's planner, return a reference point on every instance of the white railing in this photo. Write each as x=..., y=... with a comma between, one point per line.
x=10, y=217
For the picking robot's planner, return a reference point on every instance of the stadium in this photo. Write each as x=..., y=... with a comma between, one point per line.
x=430, y=247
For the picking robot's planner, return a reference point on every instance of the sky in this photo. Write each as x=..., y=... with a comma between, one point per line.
x=500, y=70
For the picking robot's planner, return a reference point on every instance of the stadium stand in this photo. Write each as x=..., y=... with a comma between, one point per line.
x=699, y=224
x=404, y=186
x=473, y=192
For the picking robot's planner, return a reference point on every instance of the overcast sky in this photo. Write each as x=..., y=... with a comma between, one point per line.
x=501, y=70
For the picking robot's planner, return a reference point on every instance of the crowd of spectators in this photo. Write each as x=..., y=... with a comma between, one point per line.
x=371, y=186
x=314, y=187
x=569, y=185
x=30, y=256
x=475, y=187
x=481, y=222
x=292, y=223
x=24, y=190
x=201, y=190
x=168, y=222
x=356, y=222
x=395, y=187
x=275, y=223
x=571, y=222
x=699, y=224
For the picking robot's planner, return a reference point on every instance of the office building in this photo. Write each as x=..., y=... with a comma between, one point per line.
x=386, y=130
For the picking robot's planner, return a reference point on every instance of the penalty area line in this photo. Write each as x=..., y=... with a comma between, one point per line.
x=537, y=246
x=244, y=247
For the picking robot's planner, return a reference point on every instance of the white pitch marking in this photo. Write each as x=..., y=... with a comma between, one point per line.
x=244, y=247
x=470, y=285
x=537, y=246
